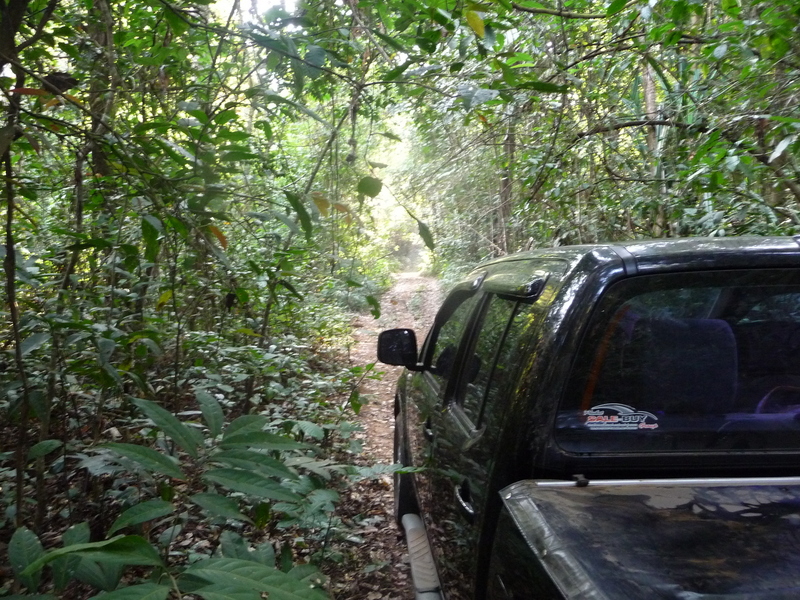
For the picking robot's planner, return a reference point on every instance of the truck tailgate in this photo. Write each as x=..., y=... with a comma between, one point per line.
x=690, y=540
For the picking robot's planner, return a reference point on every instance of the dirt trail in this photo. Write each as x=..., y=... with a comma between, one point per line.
x=377, y=568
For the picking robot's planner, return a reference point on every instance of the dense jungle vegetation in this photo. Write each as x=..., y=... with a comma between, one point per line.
x=195, y=196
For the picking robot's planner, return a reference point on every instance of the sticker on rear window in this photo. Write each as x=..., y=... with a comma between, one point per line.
x=619, y=417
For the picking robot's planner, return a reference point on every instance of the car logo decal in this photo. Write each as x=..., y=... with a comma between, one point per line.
x=619, y=416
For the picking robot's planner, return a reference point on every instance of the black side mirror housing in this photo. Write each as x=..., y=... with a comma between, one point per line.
x=398, y=347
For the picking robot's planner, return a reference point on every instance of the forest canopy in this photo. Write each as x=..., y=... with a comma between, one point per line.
x=192, y=201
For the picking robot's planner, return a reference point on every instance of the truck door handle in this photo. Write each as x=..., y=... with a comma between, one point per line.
x=464, y=500
x=427, y=430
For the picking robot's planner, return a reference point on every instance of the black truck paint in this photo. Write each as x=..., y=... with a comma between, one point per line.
x=560, y=391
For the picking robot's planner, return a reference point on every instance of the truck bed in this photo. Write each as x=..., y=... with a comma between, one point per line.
x=686, y=539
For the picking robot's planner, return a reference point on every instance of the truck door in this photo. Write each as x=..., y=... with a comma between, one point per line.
x=468, y=440
x=426, y=390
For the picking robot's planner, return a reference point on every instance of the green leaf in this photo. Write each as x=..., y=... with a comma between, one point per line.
x=152, y=461
x=425, y=234
x=65, y=568
x=227, y=592
x=105, y=577
x=145, y=511
x=6, y=137
x=355, y=401
x=472, y=97
x=187, y=438
x=731, y=7
x=390, y=41
x=144, y=591
x=24, y=551
x=543, y=86
x=260, y=439
x=105, y=348
x=151, y=228
x=292, y=290
x=33, y=342
x=123, y=549
x=254, y=576
x=397, y=71
x=245, y=423
x=391, y=136
x=212, y=411
x=370, y=186
x=302, y=213
x=220, y=506
x=376, y=306
x=176, y=22
x=43, y=448
x=311, y=429
x=476, y=23
x=225, y=116
x=315, y=57
x=252, y=484
x=782, y=145
x=255, y=461
x=232, y=545
x=615, y=7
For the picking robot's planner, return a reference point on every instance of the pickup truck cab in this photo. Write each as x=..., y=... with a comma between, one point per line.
x=607, y=422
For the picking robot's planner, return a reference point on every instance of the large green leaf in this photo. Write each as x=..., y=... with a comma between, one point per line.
x=227, y=592
x=615, y=7
x=142, y=512
x=245, y=574
x=370, y=186
x=43, y=448
x=24, y=551
x=220, y=506
x=148, y=458
x=144, y=591
x=101, y=576
x=151, y=230
x=252, y=484
x=302, y=213
x=543, y=86
x=65, y=568
x=33, y=342
x=232, y=545
x=261, y=439
x=255, y=461
x=187, y=438
x=245, y=423
x=123, y=549
x=391, y=42
x=426, y=235
x=212, y=411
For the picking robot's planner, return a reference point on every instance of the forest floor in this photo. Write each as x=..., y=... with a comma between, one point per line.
x=375, y=566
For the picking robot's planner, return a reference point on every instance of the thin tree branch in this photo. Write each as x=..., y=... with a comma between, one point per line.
x=558, y=13
x=46, y=15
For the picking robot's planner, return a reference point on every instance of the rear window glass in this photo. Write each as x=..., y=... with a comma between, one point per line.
x=703, y=361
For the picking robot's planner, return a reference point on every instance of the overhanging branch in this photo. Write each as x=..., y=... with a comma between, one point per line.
x=558, y=13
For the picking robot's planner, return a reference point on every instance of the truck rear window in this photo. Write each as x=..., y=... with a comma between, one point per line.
x=689, y=361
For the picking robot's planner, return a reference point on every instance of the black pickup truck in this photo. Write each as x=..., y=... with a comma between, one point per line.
x=607, y=422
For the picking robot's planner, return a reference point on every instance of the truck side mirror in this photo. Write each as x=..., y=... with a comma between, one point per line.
x=398, y=347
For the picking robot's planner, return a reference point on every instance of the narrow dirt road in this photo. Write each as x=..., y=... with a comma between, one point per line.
x=375, y=567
